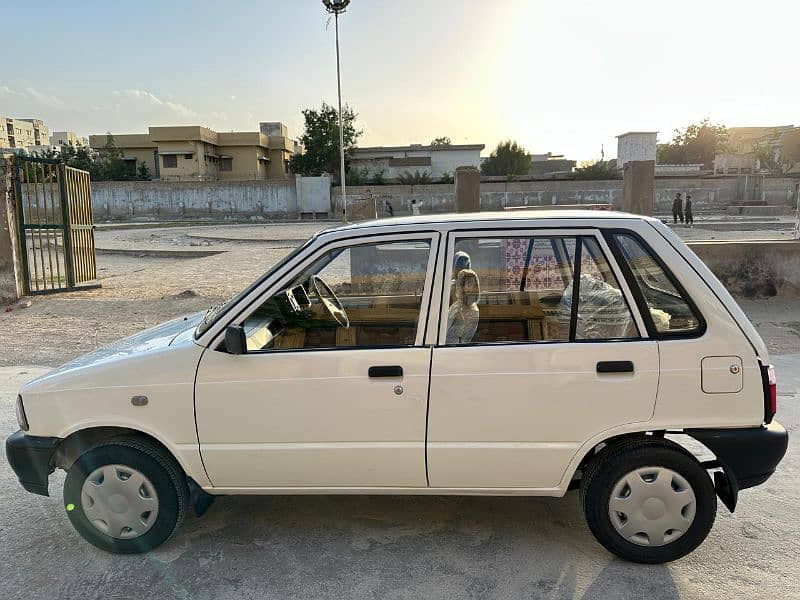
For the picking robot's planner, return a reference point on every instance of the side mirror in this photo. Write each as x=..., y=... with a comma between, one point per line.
x=235, y=340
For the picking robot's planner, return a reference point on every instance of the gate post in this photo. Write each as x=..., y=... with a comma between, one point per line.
x=65, y=221
x=11, y=275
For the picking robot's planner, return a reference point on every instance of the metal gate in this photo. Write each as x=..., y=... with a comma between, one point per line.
x=54, y=211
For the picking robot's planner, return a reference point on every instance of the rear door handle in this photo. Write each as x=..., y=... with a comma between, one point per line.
x=386, y=371
x=615, y=366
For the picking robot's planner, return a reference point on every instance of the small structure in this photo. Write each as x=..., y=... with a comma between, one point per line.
x=636, y=145
x=548, y=166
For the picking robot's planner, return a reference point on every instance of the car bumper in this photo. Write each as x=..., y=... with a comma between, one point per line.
x=31, y=457
x=748, y=456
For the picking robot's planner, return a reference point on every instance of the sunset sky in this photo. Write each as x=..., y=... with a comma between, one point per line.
x=564, y=77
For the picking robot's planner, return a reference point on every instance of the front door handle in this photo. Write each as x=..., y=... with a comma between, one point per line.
x=615, y=366
x=386, y=371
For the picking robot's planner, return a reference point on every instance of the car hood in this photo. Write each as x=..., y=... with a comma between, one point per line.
x=155, y=338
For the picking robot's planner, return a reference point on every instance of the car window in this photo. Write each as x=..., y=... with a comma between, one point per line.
x=368, y=295
x=669, y=310
x=520, y=289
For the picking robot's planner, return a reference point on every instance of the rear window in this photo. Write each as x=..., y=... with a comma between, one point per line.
x=670, y=310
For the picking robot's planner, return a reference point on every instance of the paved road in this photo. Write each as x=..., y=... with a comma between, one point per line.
x=400, y=547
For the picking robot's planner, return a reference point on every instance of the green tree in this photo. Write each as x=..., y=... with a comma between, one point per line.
x=143, y=172
x=440, y=142
x=446, y=177
x=508, y=158
x=698, y=143
x=598, y=169
x=321, y=141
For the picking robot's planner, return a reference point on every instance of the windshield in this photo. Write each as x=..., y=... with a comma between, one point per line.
x=215, y=312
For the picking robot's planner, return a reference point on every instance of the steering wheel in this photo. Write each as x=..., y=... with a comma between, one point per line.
x=329, y=300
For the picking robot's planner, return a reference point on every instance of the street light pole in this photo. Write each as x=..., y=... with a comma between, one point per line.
x=341, y=124
x=336, y=7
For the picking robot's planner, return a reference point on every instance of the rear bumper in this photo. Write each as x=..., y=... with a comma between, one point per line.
x=31, y=457
x=747, y=456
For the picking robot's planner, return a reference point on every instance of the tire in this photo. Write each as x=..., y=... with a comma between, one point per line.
x=161, y=485
x=666, y=466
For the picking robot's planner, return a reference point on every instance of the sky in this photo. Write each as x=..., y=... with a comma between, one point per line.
x=561, y=77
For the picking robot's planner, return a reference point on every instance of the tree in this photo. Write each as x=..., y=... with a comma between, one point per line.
x=698, y=143
x=509, y=158
x=321, y=141
x=446, y=177
x=598, y=169
x=440, y=142
x=143, y=172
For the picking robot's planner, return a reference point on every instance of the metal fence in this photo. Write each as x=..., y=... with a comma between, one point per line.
x=54, y=210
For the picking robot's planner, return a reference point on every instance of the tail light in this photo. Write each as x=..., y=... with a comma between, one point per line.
x=770, y=392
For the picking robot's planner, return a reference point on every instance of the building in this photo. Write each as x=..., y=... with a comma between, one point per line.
x=435, y=161
x=65, y=138
x=195, y=153
x=636, y=145
x=23, y=133
x=548, y=166
x=747, y=148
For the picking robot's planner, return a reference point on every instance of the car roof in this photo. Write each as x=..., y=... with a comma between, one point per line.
x=520, y=216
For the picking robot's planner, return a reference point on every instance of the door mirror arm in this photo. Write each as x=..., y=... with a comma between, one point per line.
x=235, y=340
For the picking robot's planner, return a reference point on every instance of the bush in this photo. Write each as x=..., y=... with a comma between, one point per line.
x=378, y=178
x=446, y=178
x=415, y=178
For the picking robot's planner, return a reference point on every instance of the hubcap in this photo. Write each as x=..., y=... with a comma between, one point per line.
x=652, y=506
x=119, y=501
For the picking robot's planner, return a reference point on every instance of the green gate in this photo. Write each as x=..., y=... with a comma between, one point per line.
x=54, y=212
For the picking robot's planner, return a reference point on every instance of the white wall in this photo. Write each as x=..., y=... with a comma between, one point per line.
x=636, y=146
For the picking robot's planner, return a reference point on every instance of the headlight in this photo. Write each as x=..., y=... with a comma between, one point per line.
x=21, y=418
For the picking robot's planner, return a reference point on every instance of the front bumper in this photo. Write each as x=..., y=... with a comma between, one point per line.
x=31, y=457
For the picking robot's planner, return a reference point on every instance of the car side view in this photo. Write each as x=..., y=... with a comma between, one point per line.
x=515, y=353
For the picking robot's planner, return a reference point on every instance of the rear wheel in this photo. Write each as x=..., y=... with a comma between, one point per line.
x=648, y=501
x=125, y=496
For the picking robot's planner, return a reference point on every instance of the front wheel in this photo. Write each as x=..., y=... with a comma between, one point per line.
x=125, y=496
x=648, y=501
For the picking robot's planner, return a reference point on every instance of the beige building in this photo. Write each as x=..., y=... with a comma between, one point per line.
x=195, y=153
x=23, y=133
x=781, y=141
x=65, y=138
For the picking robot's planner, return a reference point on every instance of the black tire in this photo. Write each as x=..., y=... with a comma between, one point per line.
x=612, y=464
x=162, y=471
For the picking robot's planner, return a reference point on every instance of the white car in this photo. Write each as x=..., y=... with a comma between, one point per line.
x=524, y=353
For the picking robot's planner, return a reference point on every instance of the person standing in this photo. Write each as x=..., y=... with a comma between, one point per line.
x=414, y=207
x=687, y=211
x=677, y=209
x=389, y=208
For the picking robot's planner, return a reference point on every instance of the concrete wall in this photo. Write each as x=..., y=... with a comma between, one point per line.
x=754, y=268
x=711, y=194
x=218, y=200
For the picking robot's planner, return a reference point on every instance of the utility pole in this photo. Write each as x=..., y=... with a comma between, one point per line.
x=337, y=7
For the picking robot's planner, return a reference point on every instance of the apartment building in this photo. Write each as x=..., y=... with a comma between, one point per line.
x=23, y=133
x=67, y=138
x=196, y=153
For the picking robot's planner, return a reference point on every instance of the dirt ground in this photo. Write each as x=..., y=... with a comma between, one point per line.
x=152, y=274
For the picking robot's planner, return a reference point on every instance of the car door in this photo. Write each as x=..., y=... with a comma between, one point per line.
x=532, y=366
x=315, y=402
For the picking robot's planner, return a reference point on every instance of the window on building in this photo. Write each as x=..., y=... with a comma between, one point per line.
x=379, y=286
x=169, y=161
x=188, y=156
x=225, y=164
x=506, y=290
x=670, y=310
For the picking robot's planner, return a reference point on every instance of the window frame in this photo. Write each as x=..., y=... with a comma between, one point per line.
x=247, y=307
x=164, y=157
x=641, y=301
x=532, y=232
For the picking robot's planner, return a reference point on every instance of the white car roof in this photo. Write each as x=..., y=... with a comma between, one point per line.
x=442, y=221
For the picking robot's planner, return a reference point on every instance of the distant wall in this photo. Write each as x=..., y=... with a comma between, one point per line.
x=711, y=194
